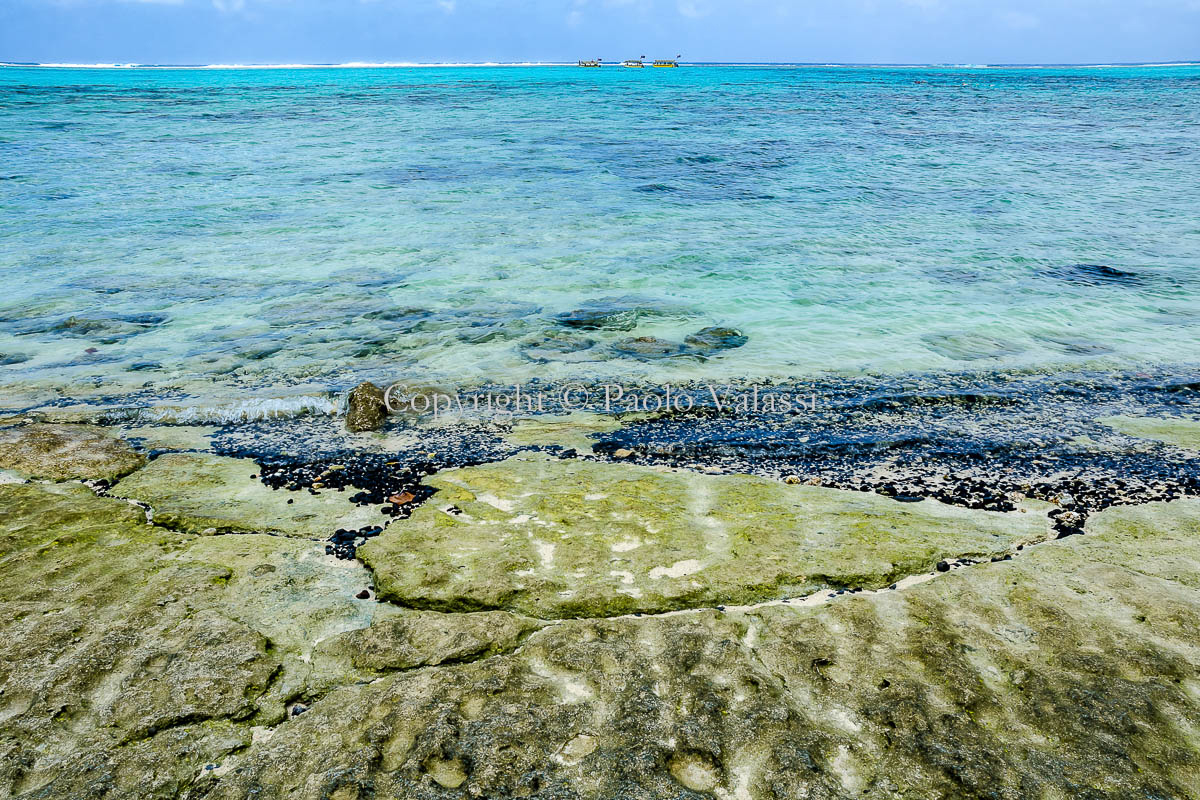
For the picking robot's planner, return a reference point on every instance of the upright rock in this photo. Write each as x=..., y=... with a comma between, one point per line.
x=367, y=409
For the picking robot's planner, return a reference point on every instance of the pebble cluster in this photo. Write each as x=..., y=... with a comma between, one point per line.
x=391, y=480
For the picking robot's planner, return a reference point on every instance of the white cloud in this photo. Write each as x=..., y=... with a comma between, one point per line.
x=447, y=5
x=691, y=9
x=229, y=6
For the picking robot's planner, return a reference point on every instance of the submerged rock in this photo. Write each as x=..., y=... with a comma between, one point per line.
x=970, y=346
x=106, y=330
x=65, y=452
x=203, y=493
x=366, y=408
x=1094, y=275
x=1074, y=345
x=648, y=347
x=559, y=346
x=708, y=341
x=553, y=538
x=601, y=318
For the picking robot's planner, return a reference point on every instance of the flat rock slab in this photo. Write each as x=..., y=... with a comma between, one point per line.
x=204, y=493
x=1178, y=431
x=132, y=656
x=65, y=452
x=557, y=538
x=1067, y=672
x=572, y=431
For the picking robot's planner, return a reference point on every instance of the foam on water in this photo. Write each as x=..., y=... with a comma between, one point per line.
x=250, y=410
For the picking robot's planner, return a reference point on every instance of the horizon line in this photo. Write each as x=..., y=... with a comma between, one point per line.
x=426, y=64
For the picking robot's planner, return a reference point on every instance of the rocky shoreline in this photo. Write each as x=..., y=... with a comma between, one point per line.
x=874, y=599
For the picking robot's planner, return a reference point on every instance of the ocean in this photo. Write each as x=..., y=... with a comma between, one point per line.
x=217, y=237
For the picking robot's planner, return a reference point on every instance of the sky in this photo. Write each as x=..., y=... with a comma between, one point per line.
x=808, y=31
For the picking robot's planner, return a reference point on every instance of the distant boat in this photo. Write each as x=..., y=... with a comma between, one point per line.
x=668, y=62
x=634, y=63
x=593, y=62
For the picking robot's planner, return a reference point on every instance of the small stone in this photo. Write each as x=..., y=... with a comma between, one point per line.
x=943, y=566
x=792, y=480
x=366, y=408
x=695, y=771
x=363, y=595
x=622, y=453
x=402, y=498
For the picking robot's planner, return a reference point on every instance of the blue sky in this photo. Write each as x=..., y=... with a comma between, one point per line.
x=323, y=31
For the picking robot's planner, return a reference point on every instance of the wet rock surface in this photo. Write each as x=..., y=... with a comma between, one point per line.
x=206, y=494
x=556, y=538
x=1028, y=678
x=648, y=348
x=973, y=441
x=712, y=340
x=117, y=669
x=366, y=408
x=64, y=452
x=143, y=661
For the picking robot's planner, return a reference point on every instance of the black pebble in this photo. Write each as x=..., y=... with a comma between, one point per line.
x=942, y=566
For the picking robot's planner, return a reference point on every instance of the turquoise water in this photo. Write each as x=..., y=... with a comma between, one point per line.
x=219, y=232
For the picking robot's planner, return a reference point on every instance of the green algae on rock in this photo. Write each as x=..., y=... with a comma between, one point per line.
x=140, y=662
x=557, y=538
x=1060, y=674
x=401, y=639
x=131, y=655
x=108, y=648
x=573, y=431
x=1178, y=431
x=204, y=493
x=366, y=408
x=65, y=452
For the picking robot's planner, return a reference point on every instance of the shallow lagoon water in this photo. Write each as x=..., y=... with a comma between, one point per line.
x=224, y=232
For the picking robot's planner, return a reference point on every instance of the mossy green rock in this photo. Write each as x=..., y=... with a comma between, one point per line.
x=562, y=538
x=141, y=662
x=1069, y=672
x=401, y=639
x=1178, y=431
x=131, y=655
x=204, y=493
x=65, y=452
